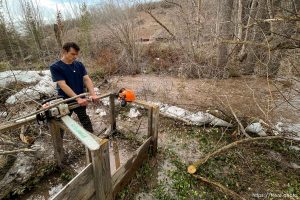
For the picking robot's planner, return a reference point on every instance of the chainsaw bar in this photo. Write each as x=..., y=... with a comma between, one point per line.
x=80, y=133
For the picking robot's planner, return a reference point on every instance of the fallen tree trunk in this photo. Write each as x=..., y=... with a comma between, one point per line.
x=193, y=167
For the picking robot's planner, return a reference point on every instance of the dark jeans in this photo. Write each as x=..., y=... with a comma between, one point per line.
x=83, y=118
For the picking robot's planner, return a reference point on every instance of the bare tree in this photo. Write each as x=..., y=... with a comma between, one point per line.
x=58, y=29
x=33, y=25
x=5, y=38
x=15, y=35
x=225, y=32
x=85, y=29
x=119, y=19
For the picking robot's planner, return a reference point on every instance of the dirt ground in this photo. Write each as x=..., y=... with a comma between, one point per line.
x=250, y=97
x=165, y=177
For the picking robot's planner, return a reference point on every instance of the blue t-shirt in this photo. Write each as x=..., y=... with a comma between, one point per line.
x=71, y=73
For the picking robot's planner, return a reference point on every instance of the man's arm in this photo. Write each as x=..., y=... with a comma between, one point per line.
x=90, y=86
x=62, y=84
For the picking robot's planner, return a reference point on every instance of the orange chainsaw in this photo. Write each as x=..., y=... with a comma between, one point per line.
x=126, y=95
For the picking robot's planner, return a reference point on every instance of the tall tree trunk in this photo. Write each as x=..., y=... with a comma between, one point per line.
x=225, y=32
x=250, y=20
x=58, y=36
x=14, y=35
x=239, y=20
x=271, y=16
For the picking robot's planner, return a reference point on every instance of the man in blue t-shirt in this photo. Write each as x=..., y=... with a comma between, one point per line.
x=71, y=77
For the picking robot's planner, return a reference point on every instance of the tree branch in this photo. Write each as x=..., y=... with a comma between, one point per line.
x=160, y=23
x=16, y=151
x=224, y=189
x=193, y=167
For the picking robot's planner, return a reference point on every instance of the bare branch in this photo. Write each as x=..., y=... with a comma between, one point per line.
x=160, y=23
x=16, y=151
x=224, y=189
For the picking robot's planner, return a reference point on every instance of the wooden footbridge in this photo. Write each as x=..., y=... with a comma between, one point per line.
x=95, y=181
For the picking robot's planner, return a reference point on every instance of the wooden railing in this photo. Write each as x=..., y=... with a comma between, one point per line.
x=95, y=180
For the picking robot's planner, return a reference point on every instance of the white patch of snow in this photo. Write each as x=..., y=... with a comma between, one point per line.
x=133, y=113
x=36, y=197
x=256, y=128
x=97, y=91
x=3, y=114
x=291, y=128
x=54, y=190
x=219, y=122
x=45, y=84
x=101, y=112
x=199, y=118
x=295, y=148
x=144, y=196
x=105, y=101
x=8, y=77
x=295, y=166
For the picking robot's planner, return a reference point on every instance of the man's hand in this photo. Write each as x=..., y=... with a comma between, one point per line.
x=82, y=102
x=46, y=105
x=94, y=98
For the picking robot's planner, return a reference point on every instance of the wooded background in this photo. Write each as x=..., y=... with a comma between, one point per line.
x=192, y=38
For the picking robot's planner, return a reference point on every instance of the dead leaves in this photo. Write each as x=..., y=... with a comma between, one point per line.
x=26, y=139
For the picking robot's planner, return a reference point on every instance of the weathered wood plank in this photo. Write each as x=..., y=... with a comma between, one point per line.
x=57, y=141
x=155, y=124
x=122, y=176
x=88, y=156
x=116, y=154
x=101, y=172
x=80, y=187
x=13, y=125
x=113, y=123
x=145, y=104
x=150, y=118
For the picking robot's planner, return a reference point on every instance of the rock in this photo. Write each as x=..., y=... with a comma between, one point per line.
x=133, y=113
x=22, y=169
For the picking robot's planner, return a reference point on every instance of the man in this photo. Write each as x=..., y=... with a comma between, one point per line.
x=71, y=77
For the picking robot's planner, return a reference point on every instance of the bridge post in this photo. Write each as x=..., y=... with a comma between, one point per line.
x=57, y=141
x=101, y=170
x=113, y=123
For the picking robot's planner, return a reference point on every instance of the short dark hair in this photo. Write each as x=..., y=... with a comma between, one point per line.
x=68, y=45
